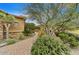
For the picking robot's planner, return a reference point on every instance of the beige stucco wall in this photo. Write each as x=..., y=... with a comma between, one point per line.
x=19, y=27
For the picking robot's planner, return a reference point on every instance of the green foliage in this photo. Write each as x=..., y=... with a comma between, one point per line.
x=29, y=28
x=70, y=39
x=46, y=45
x=10, y=41
x=73, y=42
x=7, y=18
x=21, y=37
x=27, y=32
x=64, y=37
x=60, y=20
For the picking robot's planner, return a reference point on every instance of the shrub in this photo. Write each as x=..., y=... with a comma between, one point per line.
x=27, y=32
x=73, y=42
x=10, y=41
x=29, y=28
x=69, y=38
x=64, y=37
x=46, y=45
x=21, y=37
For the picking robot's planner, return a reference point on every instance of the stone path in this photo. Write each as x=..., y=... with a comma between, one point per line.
x=19, y=48
x=75, y=51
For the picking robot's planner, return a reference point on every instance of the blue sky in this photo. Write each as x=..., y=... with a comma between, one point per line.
x=13, y=8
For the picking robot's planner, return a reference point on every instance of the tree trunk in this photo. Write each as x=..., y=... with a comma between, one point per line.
x=49, y=31
x=7, y=30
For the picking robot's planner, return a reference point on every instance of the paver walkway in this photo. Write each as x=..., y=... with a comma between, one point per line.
x=75, y=51
x=19, y=48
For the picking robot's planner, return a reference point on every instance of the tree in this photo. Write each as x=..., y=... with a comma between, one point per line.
x=43, y=13
x=30, y=28
x=6, y=21
x=52, y=17
x=68, y=17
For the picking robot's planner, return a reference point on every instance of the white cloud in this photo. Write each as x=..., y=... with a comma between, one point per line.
x=32, y=21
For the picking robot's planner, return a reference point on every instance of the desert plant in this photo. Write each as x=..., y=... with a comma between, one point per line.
x=10, y=41
x=73, y=42
x=21, y=37
x=29, y=29
x=69, y=38
x=27, y=32
x=46, y=45
x=64, y=37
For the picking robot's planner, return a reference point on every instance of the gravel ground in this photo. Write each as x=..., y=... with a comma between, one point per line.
x=19, y=48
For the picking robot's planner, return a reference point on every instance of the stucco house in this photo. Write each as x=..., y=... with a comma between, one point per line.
x=14, y=29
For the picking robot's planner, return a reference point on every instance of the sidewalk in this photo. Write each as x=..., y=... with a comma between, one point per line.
x=19, y=48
